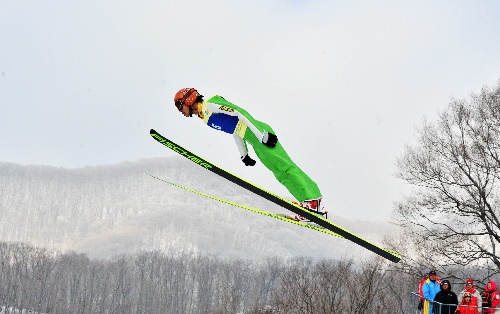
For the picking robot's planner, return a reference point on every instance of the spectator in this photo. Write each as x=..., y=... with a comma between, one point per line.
x=447, y=298
x=490, y=297
x=430, y=288
x=420, y=292
x=468, y=305
x=469, y=287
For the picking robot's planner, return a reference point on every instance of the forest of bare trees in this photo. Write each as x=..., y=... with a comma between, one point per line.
x=46, y=281
x=452, y=216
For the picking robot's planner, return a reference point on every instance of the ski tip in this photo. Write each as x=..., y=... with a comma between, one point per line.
x=152, y=131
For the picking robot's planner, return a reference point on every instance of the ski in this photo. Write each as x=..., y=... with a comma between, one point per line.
x=282, y=217
x=391, y=255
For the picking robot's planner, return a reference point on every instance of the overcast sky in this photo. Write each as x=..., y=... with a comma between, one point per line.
x=345, y=84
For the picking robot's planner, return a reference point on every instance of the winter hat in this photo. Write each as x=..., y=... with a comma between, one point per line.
x=467, y=295
x=492, y=286
x=445, y=282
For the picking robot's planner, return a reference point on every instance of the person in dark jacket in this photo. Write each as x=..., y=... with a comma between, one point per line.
x=448, y=299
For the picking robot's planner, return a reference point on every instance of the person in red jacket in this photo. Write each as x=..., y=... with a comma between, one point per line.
x=468, y=304
x=469, y=287
x=491, y=298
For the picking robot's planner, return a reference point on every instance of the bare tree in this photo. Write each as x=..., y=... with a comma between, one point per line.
x=452, y=216
x=332, y=279
x=154, y=282
x=298, y=288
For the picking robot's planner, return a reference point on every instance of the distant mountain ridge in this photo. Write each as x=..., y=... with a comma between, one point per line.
x=117, y=209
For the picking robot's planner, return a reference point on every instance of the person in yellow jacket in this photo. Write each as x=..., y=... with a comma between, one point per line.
x=225, y=116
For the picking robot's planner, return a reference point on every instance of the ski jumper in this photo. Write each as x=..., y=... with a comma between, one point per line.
x=225, y=116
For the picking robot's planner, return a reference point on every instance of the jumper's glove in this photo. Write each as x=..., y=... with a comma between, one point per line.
x=248, y=161
x=269, y=139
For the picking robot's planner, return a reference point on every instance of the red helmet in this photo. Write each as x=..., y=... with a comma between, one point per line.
x=186, y=96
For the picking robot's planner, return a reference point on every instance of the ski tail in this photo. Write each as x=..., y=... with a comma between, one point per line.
x=319, y=220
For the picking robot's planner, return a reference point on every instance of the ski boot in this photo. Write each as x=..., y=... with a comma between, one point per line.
x=297, y=218
x=313, y=206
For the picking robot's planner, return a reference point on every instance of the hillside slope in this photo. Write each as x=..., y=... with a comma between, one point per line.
x=113, y=209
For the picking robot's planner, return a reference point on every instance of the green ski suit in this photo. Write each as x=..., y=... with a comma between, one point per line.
x=225, y=116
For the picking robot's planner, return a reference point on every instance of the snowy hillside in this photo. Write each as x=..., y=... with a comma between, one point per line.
x=107, y=210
